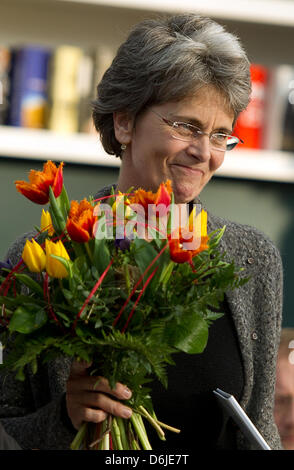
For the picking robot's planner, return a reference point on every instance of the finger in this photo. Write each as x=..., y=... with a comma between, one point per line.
x=120, y=391
x=88, y=415
x=98, y=384
x=104, y=402
x=79, y=367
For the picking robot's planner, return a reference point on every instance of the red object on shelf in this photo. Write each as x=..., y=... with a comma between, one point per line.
x=250, y=123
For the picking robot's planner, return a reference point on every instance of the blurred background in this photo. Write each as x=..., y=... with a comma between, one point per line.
x=54, y=52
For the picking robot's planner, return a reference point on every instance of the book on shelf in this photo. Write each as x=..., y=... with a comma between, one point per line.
x=51, y=88
x=28, y=87
x=86, y=83
x=63, y=86
x=250, y=124
x=54, y=89
x=5, y=62
x=102, y=59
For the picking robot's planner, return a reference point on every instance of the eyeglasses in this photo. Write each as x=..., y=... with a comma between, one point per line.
x=187, y=132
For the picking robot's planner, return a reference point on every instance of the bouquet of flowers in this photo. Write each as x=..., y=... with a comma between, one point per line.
x=123, y=282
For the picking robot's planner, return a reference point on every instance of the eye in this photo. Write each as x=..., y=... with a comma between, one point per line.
x=219, y=137
x=183, y=128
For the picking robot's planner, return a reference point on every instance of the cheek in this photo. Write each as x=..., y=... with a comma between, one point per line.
x=216, y=161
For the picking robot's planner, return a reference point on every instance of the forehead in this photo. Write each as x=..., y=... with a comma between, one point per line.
x=203, y=102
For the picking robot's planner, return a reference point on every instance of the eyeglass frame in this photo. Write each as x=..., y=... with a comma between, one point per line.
x=198, y=132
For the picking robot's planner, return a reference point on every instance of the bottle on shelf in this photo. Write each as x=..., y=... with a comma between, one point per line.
x=280, y=109
x=251, y=122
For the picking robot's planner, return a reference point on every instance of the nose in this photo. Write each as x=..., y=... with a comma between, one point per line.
x=199, y=148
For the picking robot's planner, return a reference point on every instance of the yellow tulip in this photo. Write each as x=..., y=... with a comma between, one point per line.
x=121, y=205
x=53, y=266
x=198, y=223
x=203, y=223
x=46, y=223
x=34, y=257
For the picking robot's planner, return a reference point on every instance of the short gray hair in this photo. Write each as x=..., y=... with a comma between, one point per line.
x=168, y=59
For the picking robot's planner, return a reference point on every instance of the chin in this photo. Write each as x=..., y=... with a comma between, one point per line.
x=288, y=444
x=185, y=195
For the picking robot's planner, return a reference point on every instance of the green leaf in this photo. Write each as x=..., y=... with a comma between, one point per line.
x=166, y=272
x=215, y=237
x=58, y=220
x=27, y=318
x=66, y=263
x=63, y=202
x=34, y=365
x=101, y=257
x=30, y=283
x=144, y=255
x=188, y=333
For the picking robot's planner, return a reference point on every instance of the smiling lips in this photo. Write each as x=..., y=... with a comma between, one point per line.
x=189, y=168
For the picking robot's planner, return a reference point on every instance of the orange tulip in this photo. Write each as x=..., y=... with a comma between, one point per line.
x=178, y=253
x=81, y=221
x=162, y=196
x=37, y=189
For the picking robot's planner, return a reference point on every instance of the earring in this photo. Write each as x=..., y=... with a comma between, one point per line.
x=123, y=146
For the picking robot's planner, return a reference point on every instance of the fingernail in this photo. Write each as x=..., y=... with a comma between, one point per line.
x=127, y=413
x=127, y=393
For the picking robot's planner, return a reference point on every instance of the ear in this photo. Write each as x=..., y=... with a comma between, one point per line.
x=123, y=124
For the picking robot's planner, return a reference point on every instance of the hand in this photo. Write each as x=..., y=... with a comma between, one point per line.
x=87, y=397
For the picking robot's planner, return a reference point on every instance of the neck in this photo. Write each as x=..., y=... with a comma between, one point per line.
x=126, y=178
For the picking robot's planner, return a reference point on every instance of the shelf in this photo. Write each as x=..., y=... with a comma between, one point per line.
x=275, y=12
x=265, y=165
x=46, y=145
x=86, y=149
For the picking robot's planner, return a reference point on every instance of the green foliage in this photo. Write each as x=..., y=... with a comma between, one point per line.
x=129, y=339
x=27, y=318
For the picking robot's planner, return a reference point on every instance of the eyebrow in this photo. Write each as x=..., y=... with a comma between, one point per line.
x=195, y=122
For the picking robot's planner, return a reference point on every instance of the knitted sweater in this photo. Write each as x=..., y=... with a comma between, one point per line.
x=33, y=411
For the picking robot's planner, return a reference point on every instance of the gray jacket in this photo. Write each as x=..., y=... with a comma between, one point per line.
x=33, y=411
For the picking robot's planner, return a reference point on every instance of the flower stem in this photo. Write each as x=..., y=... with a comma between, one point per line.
x=169, y=428
x=89, y=252
x=134, y=445
x=123, y=435
x=153, y=422
x=105, y=441
x=116, y=432
x=79, y=438
x=127, y=278
x=140, y=430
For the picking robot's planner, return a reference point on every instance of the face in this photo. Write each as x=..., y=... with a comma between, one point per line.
x=284, y=402
x=153, y=155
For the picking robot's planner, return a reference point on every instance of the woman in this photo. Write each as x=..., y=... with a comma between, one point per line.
x=167, y=106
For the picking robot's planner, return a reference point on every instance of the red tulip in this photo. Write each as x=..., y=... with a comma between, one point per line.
x=162, y=196
x=37, y=189
x=178, y=253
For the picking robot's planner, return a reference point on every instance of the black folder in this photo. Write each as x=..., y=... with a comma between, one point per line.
x=232, y=407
